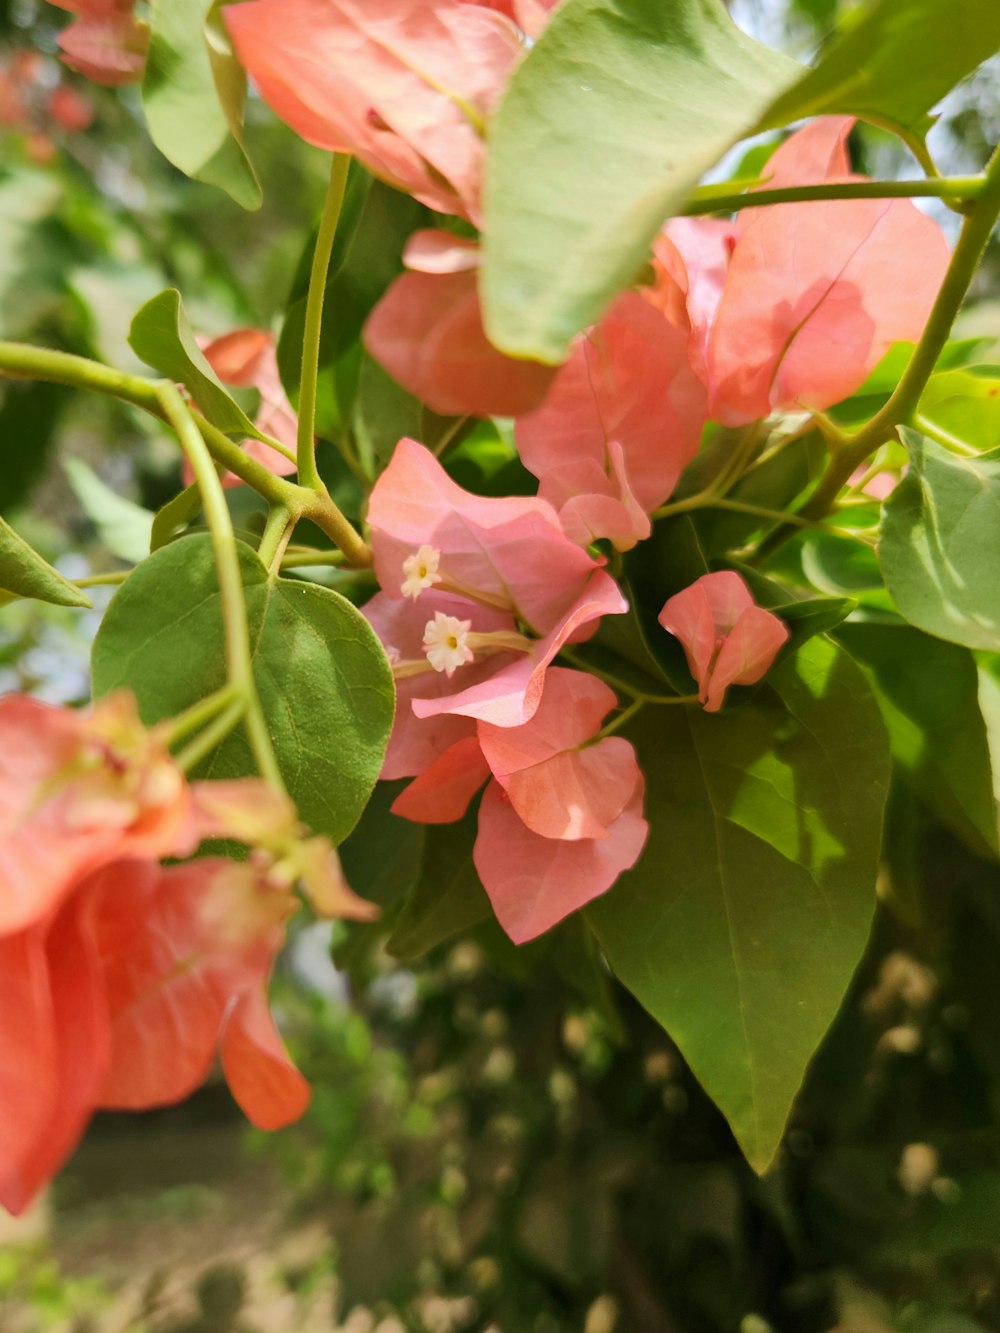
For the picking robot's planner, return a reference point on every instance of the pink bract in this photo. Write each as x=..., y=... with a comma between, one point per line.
x=815, y=293
x=405, y=85
x=727, y=638
x=621, y=421
x=427, y=332
x=106, y=43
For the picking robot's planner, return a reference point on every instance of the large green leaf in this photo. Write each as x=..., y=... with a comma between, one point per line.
x=24, y=573
x=928, y=691
x=323, y=678
x=940, y=543
x=193, y=94
x=606, y=128
x=894, y=61
x=742, y=924
x=162, y=335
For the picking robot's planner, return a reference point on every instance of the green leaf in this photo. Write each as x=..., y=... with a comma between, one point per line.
x=928, y=692
x=322, y=676
x=162, y=335
x=23, y=573
x=448, y=898
x=964, y=405
x=742, y=924
x=894, y=61
x=939, y=544
x=175, y=515
x=29, y=415
x=193, y=94
x=125, y=528
x=382, y=856
x=619, y=109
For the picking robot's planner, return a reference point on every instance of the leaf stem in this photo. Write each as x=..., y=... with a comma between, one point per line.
x=709, y=200
x=195, y=717
x=277, y=534
x=308, y=475
x=21, y=361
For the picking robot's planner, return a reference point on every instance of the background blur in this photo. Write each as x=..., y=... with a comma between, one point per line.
x=500, y=1140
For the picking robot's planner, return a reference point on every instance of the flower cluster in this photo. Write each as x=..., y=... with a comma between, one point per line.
x=780, y=309
x=121, y=979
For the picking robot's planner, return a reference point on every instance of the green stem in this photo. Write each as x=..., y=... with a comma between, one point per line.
x=616, y=683
x=103, y=580
x=708, y=501
x=976, y=230
x=623, y=718
x=20, y=361
x=304, y=559
x=212, y=736
x=195, y=717
x=710, y=200
x=308, y=475
x=276, y=536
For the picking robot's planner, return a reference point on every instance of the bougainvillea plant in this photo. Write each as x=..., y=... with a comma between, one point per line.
x=627, y=467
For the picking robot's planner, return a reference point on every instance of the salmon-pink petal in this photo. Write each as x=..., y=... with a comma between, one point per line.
x=628, y=400
x=688, y=616
x=815, y=295
x=560, y=786
x=80, y=1025
x=510, y=548
x=444, y=791
x=747, y=654
x=269, y=1089
x=435, y=251
x=728, y=597
x=529, y=15
x=591, y=515
x=28, y=1071
x=814, y=154
x=704, y=247
x=405, y=85
x=534, y=882
x=509, y=697
x=427, y=332
x=110, y=51
x=415, y=743
x=170, y=979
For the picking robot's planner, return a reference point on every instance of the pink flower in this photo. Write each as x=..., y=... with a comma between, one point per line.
x=814, y=294
x=427, y=332
x=507, y=584
x=78, y=790
x=247, y=359
x=727, y=638
x=561, y=818
x=407, y=86
x=121, y=980
x=621, y=421
x=106, y=43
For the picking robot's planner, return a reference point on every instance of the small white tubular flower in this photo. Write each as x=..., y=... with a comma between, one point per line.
x=421, y=571
x=446, y=643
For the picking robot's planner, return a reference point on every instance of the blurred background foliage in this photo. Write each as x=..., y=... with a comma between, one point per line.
x=500, y=1139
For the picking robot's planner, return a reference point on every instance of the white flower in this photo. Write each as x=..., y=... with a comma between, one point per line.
x=446, y=643
x=421, y=571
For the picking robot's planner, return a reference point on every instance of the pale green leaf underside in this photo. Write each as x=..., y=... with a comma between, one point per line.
x=743, y=922
x=24, y=573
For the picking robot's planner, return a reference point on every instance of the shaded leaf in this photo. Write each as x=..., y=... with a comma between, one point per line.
x=162, y=335
x=939, y=544
x=24, y=573
x=124, y=527
x=963, y=404
x=447, y=898
x=193, y=94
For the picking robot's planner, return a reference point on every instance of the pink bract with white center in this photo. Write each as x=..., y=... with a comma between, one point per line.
x=405, y=85
x=427, y=332
x=727, y=638
x=621, y=421
x=512, y=549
